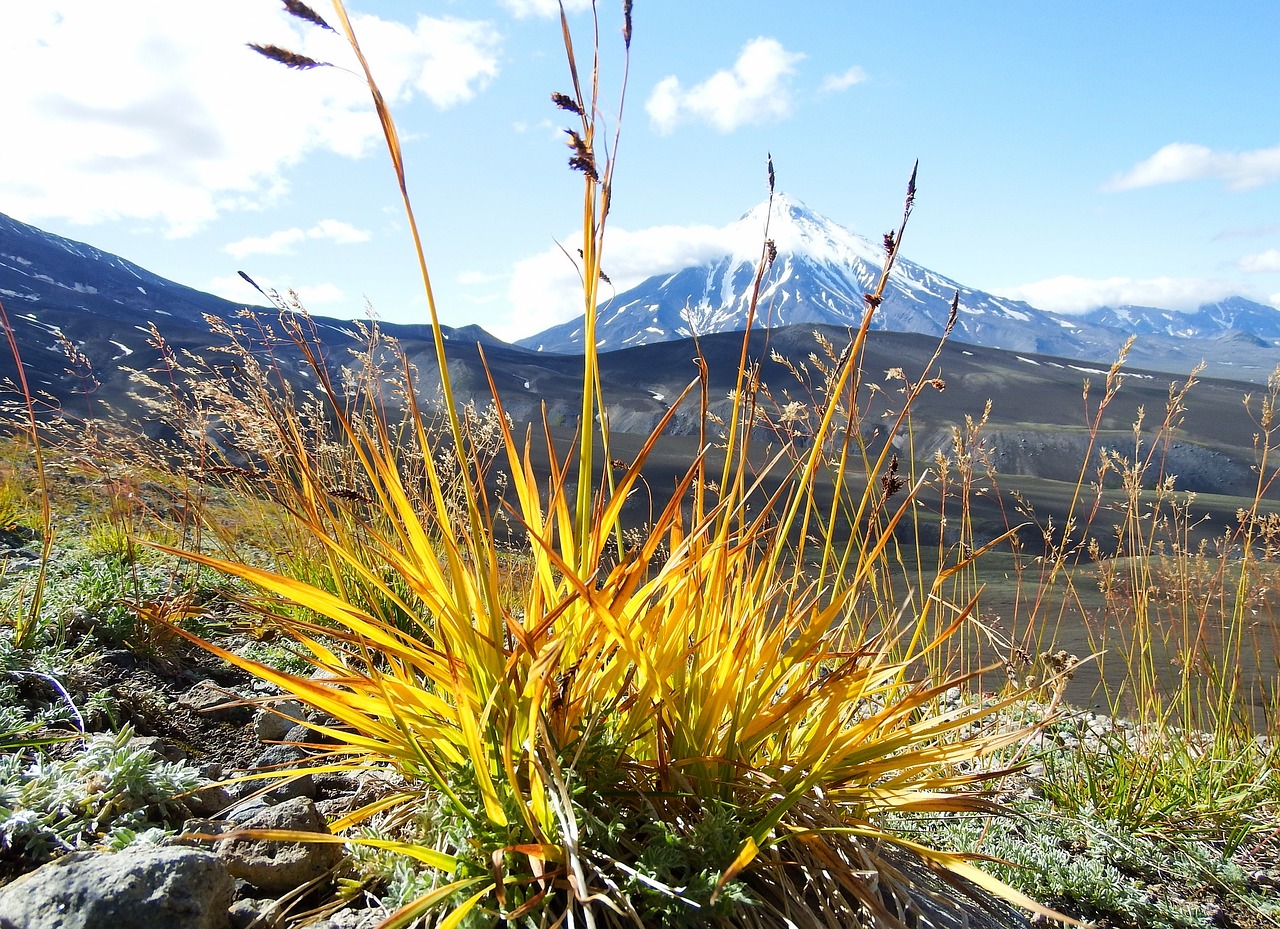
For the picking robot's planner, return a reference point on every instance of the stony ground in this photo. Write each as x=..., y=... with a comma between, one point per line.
x=176, y=699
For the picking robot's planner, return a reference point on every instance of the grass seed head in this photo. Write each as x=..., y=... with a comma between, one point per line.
x=302, y=11
x=287, y=58
x=565, y=102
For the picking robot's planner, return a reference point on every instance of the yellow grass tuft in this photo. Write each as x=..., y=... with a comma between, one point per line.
x=701, y=722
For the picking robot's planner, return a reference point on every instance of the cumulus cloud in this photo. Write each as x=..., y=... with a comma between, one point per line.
x=1182, y=161
x=755, y=90
x=129, y=110
x=1068, y=294
x=1261, y=261
x=526, y=8
x=545, y=289
x=234, y=288
x=282, y=241
x=446, y=60
x=277, y=243
x=843, y=81
x=311, y=295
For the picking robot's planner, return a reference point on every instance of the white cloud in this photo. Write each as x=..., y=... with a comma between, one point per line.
x=1248, y=232
x=526, y=8
x=546, y=289
x=837, y=82
x=130, y=110
x=1182, y=161
x=313, y=295
x=1261, y=261
x=277, y=243
x=544, y=126
x=755, y=90
x=234, y=288
x=1068, y=294
x=335, y=230
x=446, y=60
x=237, y=290
x=282, y=241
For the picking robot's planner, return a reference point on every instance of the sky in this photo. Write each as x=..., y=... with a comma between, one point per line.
x=1072, y=154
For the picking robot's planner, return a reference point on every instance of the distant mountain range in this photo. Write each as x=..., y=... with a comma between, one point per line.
x=1234, y=316
x=63, y=296
x=822, y=270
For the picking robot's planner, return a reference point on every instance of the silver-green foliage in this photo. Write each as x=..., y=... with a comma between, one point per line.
x=1098, y=868
x=110, y=790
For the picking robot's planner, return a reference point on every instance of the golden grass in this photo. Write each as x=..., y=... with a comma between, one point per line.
x=725, y=667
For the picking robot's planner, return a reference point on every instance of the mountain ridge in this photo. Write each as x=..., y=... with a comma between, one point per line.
x=822, y=269
x=70, y=297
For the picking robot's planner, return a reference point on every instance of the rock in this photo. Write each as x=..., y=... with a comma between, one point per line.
x=280, y=866
x=305, y=734
x=341, y=793
x=279, y=757
x=272, y=723
x=209, y=698
x=244, y=810
x=209, y=801
x=135, y=889
x=161, y=748
x=251, y=913
x=120, y=658
x=194, y=827
x=353, y=919
x=345, y=784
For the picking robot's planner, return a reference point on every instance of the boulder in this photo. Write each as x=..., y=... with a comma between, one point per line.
x=354, y=919
x=133, y=889
x=272, y=723
x=252, y=913
x=280, y=758
x=276, y=866
x=216, y=702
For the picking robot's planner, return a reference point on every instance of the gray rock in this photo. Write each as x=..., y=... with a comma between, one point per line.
x=135, y=889
x=281, y=756
x=251, y=913
x=209, y=801
x=338, y=784
x=304, y=733
x=272, y=723
x=353, y=919
x=281, y=866
x=212, y=700
x=200, y=827
x=161, y=748
x=244, y=810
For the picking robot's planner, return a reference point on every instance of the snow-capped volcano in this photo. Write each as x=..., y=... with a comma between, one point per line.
x=819, y=275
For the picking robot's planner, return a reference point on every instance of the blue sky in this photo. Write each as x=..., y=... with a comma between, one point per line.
x=1071, y=154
